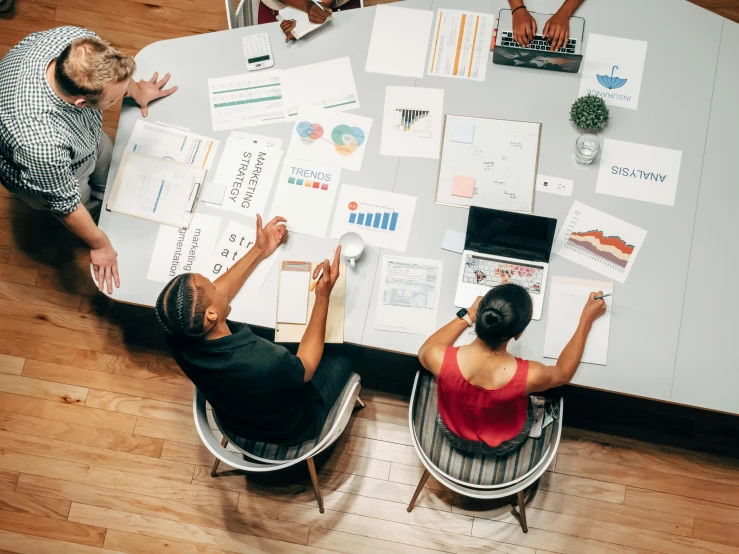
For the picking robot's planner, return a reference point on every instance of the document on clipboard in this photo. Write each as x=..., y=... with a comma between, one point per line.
x=293, y=332
x=156, y=189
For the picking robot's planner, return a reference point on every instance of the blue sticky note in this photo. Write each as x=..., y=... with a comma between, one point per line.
x=463, y=131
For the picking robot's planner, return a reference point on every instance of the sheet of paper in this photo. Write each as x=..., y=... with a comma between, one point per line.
x=257, y=140
x=453, y=241
x=599, y=241
x=329, y=85
x=411, y=123
x=567, y=297
x=639, y=172
x=247, y=171
x=246, y=100
x=188, y=250
x=330, y=137
x=399, y=41
x=554, y=185
x=305, y=196
x=156, y=189
x=461, y=44
x=303, y=26
x=409, y=295
x=613, y=70
x=463, y=131
x=170, y=143
x=501, y=158
x=233, y=244
x=292, y=302
x=381, y=218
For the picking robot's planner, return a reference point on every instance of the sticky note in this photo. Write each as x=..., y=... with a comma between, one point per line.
x=463, y=186
x=463, y=131
x=453, y=241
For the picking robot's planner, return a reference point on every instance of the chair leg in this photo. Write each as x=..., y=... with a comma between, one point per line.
x=419, y=488
x=360, y=403
x=314, y=480
x=224, y=442
x=522, y=511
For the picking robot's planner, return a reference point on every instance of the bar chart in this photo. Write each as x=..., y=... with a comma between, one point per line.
x=374, y=218
x=408, y=118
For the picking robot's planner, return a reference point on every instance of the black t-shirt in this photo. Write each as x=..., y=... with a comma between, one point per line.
x=257, y=388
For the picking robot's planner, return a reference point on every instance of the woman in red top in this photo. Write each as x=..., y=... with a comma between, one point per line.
x=483, y=390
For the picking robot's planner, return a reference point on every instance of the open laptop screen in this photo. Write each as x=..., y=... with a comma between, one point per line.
x=510, y=234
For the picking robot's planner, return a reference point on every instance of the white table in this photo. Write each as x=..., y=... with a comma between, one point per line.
x=675, y=110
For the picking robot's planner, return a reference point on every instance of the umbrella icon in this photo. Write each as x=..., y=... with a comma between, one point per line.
x=611, y=82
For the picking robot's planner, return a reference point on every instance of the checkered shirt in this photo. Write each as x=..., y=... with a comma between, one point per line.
x=43, y=139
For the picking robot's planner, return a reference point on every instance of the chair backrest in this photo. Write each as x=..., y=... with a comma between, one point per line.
x=242, y=14
x=541, y=454
x=237, y=461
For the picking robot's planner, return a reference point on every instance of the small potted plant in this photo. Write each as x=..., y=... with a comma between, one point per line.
x=590, y=115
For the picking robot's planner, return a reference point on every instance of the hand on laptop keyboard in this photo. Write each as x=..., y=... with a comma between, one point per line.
x=538, y=42
x=555, y=36
x=524, y=27
x=557, y=30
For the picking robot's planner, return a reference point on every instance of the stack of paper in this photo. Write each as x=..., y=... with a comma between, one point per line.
x=243, y=178
x=172, y=143
x=567, y=297
x=292, y=298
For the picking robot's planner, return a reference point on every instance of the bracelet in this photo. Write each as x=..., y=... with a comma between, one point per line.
x=518, y=8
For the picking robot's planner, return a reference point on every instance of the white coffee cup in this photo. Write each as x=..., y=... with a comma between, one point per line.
x=352, y=247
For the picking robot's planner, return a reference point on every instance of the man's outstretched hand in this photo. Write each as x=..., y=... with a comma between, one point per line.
x=145, y=92
x=105, y=267
x=271, y=236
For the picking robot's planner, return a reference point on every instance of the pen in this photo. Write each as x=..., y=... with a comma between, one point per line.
x=318, y=3
x=602, y=296
x=320, y=274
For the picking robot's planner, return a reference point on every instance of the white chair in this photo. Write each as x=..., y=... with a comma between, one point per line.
x=265, y=457
x=476, y=476
x=242, y=14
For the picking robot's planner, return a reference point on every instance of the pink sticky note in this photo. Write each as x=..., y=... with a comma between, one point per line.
x=463, y=186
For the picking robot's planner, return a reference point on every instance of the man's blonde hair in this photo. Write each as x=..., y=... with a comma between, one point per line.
x=87, y=65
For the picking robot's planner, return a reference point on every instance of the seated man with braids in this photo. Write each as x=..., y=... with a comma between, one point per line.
x=258, y=390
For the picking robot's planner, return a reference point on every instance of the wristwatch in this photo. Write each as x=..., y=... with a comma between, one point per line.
x=462, y=314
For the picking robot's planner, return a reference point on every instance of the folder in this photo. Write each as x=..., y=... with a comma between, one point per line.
x=291, y=332
x=156, y=189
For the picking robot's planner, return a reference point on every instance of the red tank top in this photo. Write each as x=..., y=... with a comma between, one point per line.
x=477, y=414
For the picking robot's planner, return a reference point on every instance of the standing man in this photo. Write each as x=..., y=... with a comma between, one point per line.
x=53, y=152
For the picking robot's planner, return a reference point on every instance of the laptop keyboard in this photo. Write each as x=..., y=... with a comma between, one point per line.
x=539, y=43
x=491, y=273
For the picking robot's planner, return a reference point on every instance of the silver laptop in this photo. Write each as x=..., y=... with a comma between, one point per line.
x=505, y=33
x=505, y=247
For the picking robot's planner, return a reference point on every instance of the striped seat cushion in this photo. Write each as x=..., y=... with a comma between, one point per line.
x=477, y=469
x=277, y=453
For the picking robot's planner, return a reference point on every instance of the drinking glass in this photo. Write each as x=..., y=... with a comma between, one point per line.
x=586, y=148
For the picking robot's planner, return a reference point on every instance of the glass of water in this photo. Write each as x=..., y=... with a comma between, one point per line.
x=586, y=148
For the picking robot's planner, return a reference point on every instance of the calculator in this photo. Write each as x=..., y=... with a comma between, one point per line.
x=258, y=52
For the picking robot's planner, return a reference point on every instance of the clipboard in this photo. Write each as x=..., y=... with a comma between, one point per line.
x=289, y=332
x=156, y=189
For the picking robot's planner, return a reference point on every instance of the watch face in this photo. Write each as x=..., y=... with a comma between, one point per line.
x=462, y=313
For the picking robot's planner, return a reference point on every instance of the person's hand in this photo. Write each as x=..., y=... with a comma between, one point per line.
x=524, y=27
x=271, y=236
x=316, y=14
x=472, y=310
x=105, y=267
x=594, y=308
x=287, y=26
x=145, y=92
x=557, y=30
x=330, y=275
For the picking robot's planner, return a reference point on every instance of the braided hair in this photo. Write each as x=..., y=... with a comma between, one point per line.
x=180, y=307
x=504, y=312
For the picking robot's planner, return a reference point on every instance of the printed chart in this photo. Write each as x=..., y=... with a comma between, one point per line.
x=246, y=100
x=411, y=122
x=461, y=44
x=382, y=219
x=330, y=137
x=600, y=242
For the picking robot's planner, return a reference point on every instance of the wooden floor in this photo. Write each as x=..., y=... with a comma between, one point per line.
x=98, y=452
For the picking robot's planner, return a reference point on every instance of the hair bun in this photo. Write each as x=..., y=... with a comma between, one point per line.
x=491, y=317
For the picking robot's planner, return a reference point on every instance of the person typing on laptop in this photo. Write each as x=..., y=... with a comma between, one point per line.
x=258, y=390
x=483, y=391
x=556, y=30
